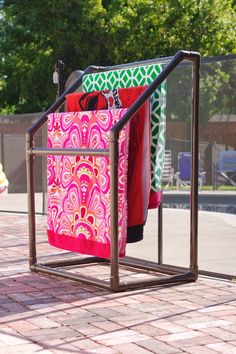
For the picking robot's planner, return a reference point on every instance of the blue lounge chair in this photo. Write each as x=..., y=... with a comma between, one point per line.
x=226, y=168
x=183, y=176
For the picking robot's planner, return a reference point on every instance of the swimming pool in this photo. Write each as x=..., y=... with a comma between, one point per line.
x=221, y=202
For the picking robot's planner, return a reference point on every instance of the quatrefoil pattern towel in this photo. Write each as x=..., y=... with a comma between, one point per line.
x=140, y=76
x=79, y=186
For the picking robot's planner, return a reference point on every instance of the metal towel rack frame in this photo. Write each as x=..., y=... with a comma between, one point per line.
x=162, y=273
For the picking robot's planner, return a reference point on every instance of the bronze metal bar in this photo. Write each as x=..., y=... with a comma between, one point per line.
x=114, y=156
x=69, y=152
x=218, y=275
x=63, y=262
x=69, y=275
x=194, y=166
x=132, y=284
x=160, y=234
x=170, y=267
x=31, y=204
x=127, y=261
x=135, y=284
x=151, y=266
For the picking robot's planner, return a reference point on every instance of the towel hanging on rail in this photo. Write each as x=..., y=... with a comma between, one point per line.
x=139, y=174
x=79, y=186
x=140, y=76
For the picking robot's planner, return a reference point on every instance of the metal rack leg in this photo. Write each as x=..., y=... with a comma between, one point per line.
x=31, y=207
x=160, y=234
x=114, y=152
x=194, y=172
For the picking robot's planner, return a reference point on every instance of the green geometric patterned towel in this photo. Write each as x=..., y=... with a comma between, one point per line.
x=139, y=76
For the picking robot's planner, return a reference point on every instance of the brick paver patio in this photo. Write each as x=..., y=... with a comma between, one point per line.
x=42, y=314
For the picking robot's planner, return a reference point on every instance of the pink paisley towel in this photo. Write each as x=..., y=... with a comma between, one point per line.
x=79, y=186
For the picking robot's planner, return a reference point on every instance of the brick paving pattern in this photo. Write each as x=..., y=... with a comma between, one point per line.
x=43, y=314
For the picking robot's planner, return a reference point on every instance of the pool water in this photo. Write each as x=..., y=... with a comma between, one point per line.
x=219, y=208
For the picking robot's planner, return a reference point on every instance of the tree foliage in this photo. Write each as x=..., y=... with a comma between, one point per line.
x=35, y=34
x=217, y=91
x=142, y=29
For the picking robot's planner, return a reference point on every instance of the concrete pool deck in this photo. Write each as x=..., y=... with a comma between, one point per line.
x=216, y=231
x=43, y=314
x=216, y=240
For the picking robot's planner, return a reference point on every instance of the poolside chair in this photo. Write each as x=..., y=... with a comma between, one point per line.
x=168, y=170
x=226, y=168
x=183, y=176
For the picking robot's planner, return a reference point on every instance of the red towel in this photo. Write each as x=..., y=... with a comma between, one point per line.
x=139, y=149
